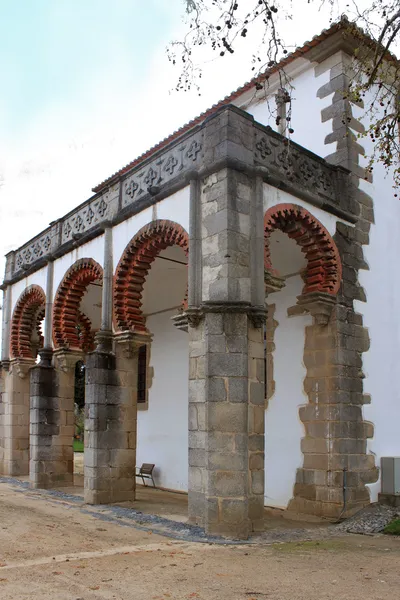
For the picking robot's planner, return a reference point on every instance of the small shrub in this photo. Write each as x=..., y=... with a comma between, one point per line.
x=393, y=528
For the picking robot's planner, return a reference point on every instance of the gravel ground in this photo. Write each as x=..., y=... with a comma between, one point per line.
x=52, y=546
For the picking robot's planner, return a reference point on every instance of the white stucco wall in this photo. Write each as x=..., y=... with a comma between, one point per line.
x=174, y=208
x=381, y=315
x=93, y=249
x=163, y=428
x=38, y=278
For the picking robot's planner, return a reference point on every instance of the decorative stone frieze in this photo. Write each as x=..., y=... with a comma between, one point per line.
x=189, y=156
x=167, y=166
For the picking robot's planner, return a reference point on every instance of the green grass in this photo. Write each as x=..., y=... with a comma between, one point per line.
x=78, y=446
x=393, y=528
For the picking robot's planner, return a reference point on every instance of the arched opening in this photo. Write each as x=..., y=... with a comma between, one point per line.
x=150, y=289
x=26, y=326
x=300, y=259
x=76, y=319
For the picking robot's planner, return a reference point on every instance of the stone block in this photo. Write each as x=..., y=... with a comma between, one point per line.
x=196, y=507
x=217, y=343
x=226, y=461
x=95, y=457
x=256, y=461
x=220, y=441
x=197, y=390
x=197, y=439
x=193, y=424
x=216, y=389
x=212, y=512
x=196, y=479
x=256, y=443
x=227, y=417
x=257, y=482
x=237, y=389
x=234, y=511
x=314, y=445
x=121, y=457
x=236, y=343
x=227, y=484
x=197, y=457
x=228, y=365
x=257, y=393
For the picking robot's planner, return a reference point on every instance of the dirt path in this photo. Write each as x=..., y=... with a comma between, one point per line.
x=51, y=549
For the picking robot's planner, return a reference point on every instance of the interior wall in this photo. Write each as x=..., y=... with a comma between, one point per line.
x=163, y=428
x=283, y=428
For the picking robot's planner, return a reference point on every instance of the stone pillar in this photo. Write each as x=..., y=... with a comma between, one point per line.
x=15, y=419
x=44, y=428
x=226, y=389
x=53, y=419
x=335, y=433
x=6, y=319
x=111, y=421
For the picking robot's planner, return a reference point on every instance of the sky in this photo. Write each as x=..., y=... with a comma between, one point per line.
x=85, y=88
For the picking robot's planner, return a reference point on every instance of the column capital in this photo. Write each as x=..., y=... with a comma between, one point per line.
x=130, y=341
x=21, y=366
x=66, y=359
x=46, y=356
x=104, y=341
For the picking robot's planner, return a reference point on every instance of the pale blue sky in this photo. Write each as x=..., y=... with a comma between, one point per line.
x=48, y=49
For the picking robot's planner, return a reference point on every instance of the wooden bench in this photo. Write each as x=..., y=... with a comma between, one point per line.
x=145, y=472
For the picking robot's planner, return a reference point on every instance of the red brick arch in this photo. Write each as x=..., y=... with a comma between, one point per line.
x=25, y=320
x=69, y=331
x=324, y=269
x=134, y=266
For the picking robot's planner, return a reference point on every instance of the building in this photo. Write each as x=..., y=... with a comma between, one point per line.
x=219, y=251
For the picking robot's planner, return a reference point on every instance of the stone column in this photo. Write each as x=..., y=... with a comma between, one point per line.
x=48, y=315
x=15, y=419
x=111, y=421
x=6, y=319
x=226, y=389
x=44, y=427
x=53, y=420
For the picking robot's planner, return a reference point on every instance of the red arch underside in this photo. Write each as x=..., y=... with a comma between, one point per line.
x=323, y=273
x=66, y=314
x=134, y=266
x=25, y=320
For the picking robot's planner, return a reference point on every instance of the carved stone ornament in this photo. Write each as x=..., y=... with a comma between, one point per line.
x=104, y=341
x=257, y=316
x=65, y=360
x=194, y=316
x=130, y=342
x=46, y=356
x=273, y=282
x=5, y=364
x=22, y=366
x=317, y=304
x=180, y=321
